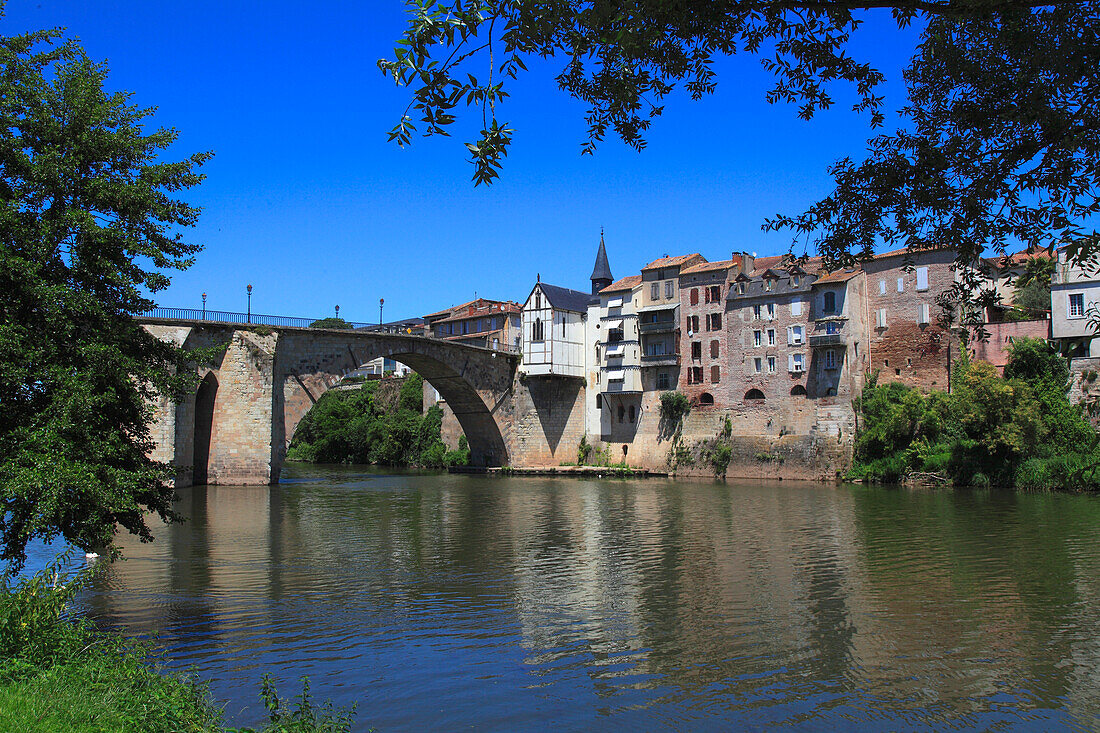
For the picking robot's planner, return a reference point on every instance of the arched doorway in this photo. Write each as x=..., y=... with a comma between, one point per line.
x=204, y=426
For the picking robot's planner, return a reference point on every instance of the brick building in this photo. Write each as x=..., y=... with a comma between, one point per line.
x=659, y=320
x=493, y=324
x=704, y=350
x=907, y=343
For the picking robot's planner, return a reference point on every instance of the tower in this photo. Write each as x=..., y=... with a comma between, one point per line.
x=601, y=273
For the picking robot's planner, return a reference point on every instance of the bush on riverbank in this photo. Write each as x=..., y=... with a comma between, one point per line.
x=351, y=427
x=1018, y=430
x=57, y=672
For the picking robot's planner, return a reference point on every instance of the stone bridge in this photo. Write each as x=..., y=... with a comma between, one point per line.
x=236, y=428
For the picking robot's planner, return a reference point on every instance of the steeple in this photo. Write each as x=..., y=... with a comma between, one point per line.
x=601, y=273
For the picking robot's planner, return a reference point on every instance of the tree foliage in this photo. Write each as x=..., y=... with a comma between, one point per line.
x=331, y=322
x=1001, y=136
x=88, y=223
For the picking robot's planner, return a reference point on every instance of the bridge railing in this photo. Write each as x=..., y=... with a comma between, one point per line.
x=195, y=314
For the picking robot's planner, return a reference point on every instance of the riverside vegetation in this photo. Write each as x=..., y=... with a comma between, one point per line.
x=58, y=672
x=1019, y=430
x=353, y=426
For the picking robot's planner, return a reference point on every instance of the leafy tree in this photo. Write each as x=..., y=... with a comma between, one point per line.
x=331, y=322
x=1038, y=271
x=1001, y=135
x=1033, y=360
x=88, y=222
x=412, y=393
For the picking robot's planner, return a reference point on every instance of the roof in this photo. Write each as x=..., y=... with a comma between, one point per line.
x=627, y=283
x=601, y=270
x=838, y=276
x=671, y=261
x=708, y=267
x=490, y=307
x=566, y=299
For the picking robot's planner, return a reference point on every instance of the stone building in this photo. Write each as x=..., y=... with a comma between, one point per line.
x=907, y=341
x=768, y=320
x=659, y=321
x=838, y=335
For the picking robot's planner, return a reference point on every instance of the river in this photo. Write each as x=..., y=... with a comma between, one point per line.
x=446, y=602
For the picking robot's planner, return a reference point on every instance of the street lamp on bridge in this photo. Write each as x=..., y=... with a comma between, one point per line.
x=380, y=302
x=249, y=316
x=204, y=306
x=337, y=311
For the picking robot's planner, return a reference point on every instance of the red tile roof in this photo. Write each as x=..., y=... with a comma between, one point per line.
x=670, y=261
x=838, y=276
x=708, y=267
x=627, y=283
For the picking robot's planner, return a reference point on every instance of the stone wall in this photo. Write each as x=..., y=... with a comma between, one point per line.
x=1084, y=386
x=547, y=420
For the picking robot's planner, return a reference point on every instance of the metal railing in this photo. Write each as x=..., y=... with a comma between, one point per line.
x=194, y=314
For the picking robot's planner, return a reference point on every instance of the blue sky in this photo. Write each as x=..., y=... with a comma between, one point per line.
x=307, y=201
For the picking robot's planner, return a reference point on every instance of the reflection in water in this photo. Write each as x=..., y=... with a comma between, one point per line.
x=457, y=601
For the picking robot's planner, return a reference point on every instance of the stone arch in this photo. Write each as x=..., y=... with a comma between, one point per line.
x=472, y=381
x=798, y=391
x=754, y=394
x=706, y=398
x=205, y=399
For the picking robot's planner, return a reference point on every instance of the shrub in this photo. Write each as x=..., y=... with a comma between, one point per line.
x=584, y=450
x=674, y=405
x=719, y=458
x=330, y=322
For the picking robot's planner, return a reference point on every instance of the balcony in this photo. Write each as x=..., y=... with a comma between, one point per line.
x=822, y=340
x=653, y=360
x=658, y=327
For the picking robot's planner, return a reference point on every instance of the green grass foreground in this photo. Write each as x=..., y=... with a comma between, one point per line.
x=58, y=673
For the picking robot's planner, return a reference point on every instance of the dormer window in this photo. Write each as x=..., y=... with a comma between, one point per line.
x=740, y=288
x=795, y=280
x=768, y=283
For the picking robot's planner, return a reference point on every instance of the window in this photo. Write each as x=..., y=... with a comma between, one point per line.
x=706, y=399
x=597, y=353
x=630, y=413
x=901, y=284
x=662, y=380
x=654, y=291
x=830, y=359
x=795, y=363
x=771, y=337
x=771, y=311
x=715, y=293
x=715, y=374
x=614, y=336
x=832, y=327
x=695, y=296
x=758, y=365
x=922, y=313
x=922, y=278
x=714, y=349
x=882, y=287
x=794, y=335
x=693, y=324
x=599, y=399
x=756, y=311
x=1076, y=305
x=536, y=330
x=771, y=364
x=496, y=343
x=740, y=288
x=768, y=283
x=828, y=302
x=695, y=375
x=795, y=280
x=668, y=289
x=798, y=391
x=621, y=411
x=696, y=349
x=754, y=394
x=714, y=321
x=538, y=301
x=757, y=338
x=880, y=318
x=796, y=307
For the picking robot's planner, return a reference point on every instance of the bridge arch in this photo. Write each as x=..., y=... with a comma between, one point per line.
x=473, y=381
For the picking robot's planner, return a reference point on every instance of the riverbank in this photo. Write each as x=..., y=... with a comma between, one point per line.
x=59, y=673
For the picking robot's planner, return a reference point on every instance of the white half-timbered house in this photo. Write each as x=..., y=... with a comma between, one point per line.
x=553, y=331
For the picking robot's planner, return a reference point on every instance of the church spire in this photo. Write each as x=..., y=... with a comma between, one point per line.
x=601, y=273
